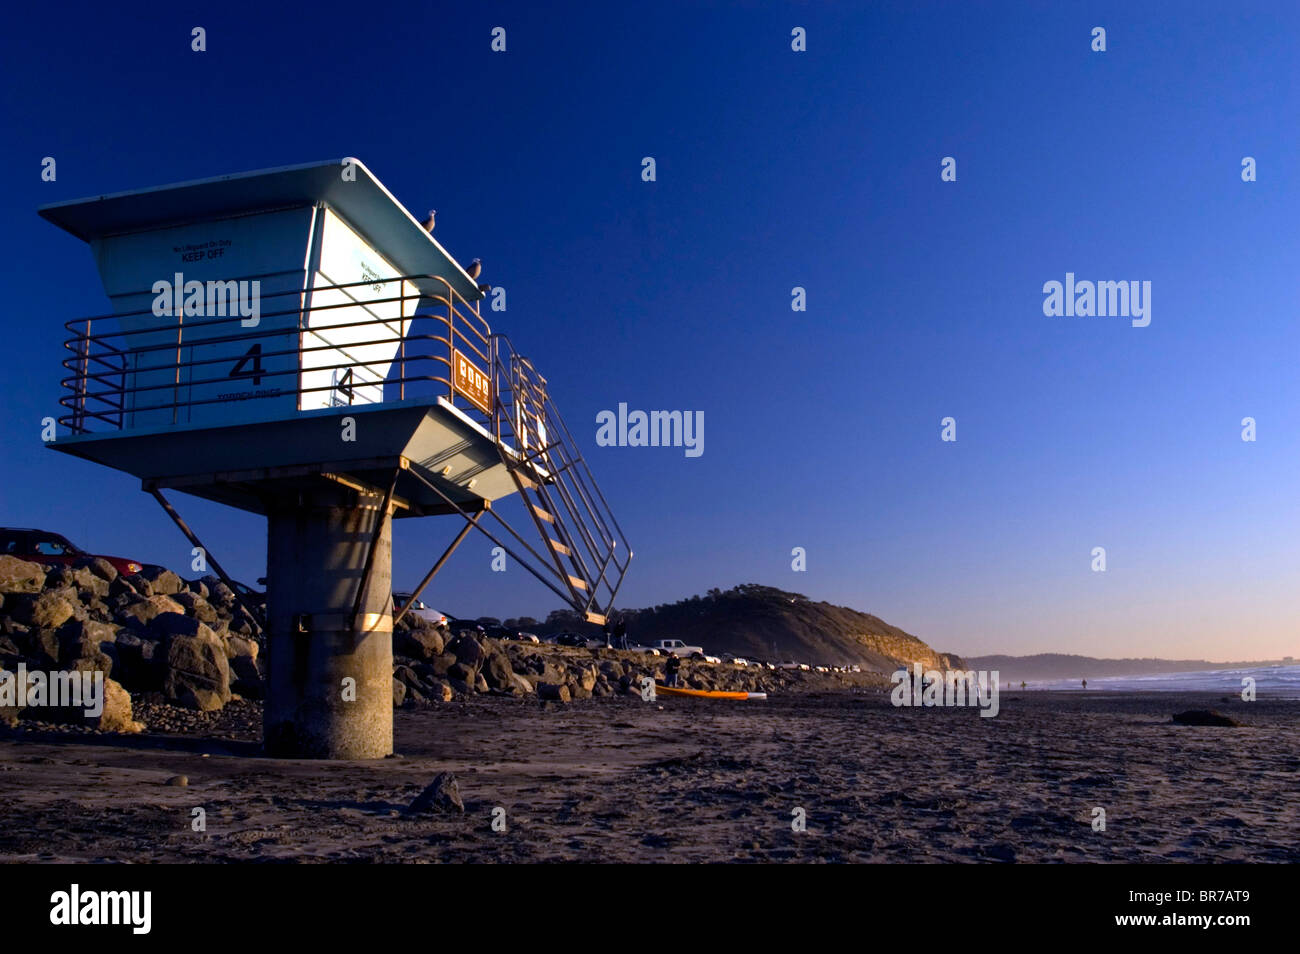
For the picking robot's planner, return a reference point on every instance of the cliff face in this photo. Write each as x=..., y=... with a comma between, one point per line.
x=761, y=622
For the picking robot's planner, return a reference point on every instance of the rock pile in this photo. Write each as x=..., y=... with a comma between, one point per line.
x=190, y=642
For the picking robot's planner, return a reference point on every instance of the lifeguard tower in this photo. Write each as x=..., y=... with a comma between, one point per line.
x=293, y=343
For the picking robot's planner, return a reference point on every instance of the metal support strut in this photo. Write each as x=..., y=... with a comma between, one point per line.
x=428, y=577
x=256, y=616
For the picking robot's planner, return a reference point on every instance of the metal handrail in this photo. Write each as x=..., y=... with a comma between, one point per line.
x=107, y=380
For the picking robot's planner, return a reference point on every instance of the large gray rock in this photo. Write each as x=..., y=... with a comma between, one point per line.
x=441, y=665
x=420, y=642
x=137, y=662
x=555, y=692
x=168, y=624
x=140, y=614
x=164, y=582
x=441, y=795
x=100, y=567
x=497, y=671
x=468, y=651
x=41, y=646
x=117, y=715
x=196, y=606
x=196, y=672
x=49, y=609
x=20, y=576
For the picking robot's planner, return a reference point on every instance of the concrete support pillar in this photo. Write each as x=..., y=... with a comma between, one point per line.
x=329, y=690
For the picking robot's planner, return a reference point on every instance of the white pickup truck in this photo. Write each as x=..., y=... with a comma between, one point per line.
x=665, y=646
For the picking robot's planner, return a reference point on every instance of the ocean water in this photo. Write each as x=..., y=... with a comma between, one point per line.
x=1272, y=682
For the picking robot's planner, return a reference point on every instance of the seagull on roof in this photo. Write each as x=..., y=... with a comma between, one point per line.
x=475, y=267
x=428, y=223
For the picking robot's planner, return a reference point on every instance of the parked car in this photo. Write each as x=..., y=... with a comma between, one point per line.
x=734, y=659
x=421, y=609
x=42, y=546
x=456, y=625
x=666, y=646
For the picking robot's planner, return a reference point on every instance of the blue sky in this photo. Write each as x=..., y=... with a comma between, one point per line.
x=775, y=169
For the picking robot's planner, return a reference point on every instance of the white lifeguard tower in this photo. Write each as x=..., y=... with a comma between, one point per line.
x=293, y=343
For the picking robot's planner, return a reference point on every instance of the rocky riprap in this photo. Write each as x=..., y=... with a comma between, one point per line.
x=187, y=643
x=169, y=646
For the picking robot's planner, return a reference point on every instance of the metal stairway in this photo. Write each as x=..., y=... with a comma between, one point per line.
x=584, y=553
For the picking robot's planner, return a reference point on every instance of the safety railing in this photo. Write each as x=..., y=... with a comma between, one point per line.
x=582, y=539
x=160, y=368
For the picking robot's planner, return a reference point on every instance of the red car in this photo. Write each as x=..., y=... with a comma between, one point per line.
x=41, y=546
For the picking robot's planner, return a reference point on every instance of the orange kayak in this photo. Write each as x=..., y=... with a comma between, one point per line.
x=706, y=693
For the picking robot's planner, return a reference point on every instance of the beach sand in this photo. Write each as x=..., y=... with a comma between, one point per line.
x=618, y=779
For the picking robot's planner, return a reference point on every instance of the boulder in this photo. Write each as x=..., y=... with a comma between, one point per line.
x=20, y=576
x=168, y=624
x=480, y=684
x=440, y=795
x=49, y=609
x=140, y=584
x=241, y=646
x=439, y=690
x=497, y=671
x=399, y=691
x=140, y=614
x=41, y=646
x=441, y=665
x=246, y=677
x=420, y=642
x=100, y=567
x=196, y=606
x=137, y=662
x=117, y=715
x=522, y=685
x=468, y=650
x=87, y=582
x=196, y=672
x=555, y=692
x=163, y=581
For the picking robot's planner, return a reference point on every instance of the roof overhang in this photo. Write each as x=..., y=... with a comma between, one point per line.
x=360, y=199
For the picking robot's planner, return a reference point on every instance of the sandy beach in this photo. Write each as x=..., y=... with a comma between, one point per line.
x=619, y=779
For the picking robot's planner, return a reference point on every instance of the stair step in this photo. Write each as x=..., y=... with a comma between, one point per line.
x=543, y=514
x=597, y=618
x=578, y=583
x=561, y=548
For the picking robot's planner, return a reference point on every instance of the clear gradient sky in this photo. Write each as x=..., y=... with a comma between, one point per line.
x=819, y=169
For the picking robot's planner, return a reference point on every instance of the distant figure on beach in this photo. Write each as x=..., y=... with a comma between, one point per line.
x=1022, y=684
x=605, y=631
x=673, y=666
x=1085, y=683
x=620, y=633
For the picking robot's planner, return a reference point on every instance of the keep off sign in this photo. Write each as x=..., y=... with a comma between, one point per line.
x=468, y=380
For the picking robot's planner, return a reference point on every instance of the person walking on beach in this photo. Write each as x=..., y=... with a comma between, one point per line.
x=604, y=631
x=673, y=666
x=1022, y=684
x=1085, y=683
x=620, y=633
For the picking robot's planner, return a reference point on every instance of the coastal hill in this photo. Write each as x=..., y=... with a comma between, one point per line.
x=1060, y=666
x=762, y=622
